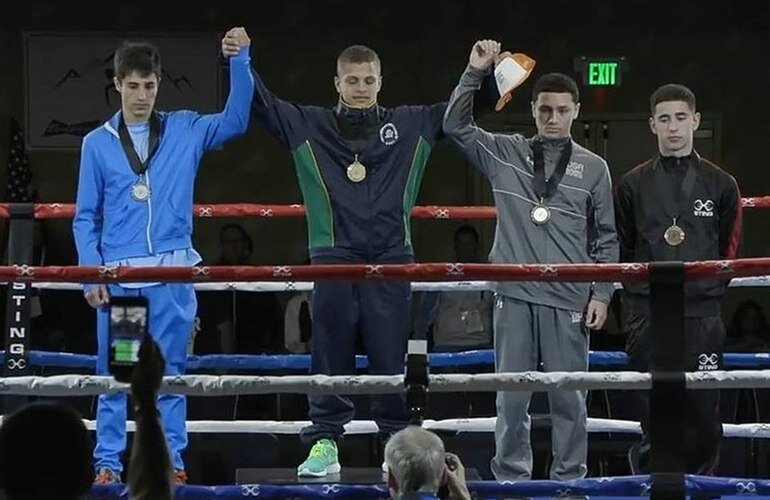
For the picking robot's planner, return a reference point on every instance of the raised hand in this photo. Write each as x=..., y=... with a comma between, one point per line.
x=234, y=40
x=483, y=53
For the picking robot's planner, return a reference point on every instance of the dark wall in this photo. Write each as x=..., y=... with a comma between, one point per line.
x=717, y=48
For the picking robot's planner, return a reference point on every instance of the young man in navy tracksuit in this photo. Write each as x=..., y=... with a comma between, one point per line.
x=134, y=208
x=359, y=167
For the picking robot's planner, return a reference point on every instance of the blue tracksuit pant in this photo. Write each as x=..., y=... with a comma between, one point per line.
x=172, y=310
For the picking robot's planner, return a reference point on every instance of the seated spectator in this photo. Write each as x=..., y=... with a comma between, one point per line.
x=460, y=320
x=748, y=330
x=418, y=467
x=237, y=322
x=297, y=324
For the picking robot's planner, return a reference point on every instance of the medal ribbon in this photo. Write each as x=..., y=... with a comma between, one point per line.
x=137, y=165
x=674, y=209
x=546, y=189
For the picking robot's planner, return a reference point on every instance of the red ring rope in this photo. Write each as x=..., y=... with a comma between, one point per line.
x=67, y=210
x=630, y=272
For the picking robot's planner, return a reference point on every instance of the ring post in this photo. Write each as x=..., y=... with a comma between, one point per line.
x=667, y=461
x=416, y=380
x=18, y=301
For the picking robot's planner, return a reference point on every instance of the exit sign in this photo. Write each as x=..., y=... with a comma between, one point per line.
x=601, y=72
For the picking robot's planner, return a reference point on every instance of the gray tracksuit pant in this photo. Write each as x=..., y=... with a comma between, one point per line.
x=527, y=335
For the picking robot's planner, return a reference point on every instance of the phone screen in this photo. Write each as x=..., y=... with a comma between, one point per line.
x=128, y=326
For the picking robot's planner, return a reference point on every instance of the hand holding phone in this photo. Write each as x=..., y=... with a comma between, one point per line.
x=148, y=374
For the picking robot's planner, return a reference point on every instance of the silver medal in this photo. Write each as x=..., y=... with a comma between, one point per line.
x=140, y=191
x=540, y=214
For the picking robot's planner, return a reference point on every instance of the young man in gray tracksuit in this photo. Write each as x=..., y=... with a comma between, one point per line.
x=554, y=205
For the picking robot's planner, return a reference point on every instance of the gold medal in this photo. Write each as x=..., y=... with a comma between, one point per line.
x=674, y=235
x=356, y=171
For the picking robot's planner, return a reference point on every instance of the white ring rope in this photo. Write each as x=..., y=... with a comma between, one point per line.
x=363, y=427
x=228, y=385
x=304, y=286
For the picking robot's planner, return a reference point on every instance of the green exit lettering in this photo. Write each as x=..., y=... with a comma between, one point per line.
x=602, y=73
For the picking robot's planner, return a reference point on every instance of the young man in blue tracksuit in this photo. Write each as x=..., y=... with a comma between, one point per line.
x=359, y=167
x=134, y=208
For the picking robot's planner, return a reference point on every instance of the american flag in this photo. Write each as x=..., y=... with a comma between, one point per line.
x=19, y=189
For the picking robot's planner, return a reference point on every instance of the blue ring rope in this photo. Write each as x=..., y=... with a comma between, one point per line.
x=622, y=486
x=301, y=362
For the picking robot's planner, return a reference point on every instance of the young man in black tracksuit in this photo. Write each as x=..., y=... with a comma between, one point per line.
x=679, y=207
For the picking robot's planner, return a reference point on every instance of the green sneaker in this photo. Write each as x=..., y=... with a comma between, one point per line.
x=321, y=461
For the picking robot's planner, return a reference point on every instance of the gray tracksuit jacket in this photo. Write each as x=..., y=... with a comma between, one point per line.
x=582, y=225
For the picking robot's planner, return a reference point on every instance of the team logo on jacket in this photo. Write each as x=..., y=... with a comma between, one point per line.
x=388, y=134
x=574, y=169
x=703, y=208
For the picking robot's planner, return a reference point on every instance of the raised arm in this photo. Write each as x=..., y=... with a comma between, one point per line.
x=477, y=144
x=283, y=119
x=484, y=100
x=149, y=475
x=233, y=120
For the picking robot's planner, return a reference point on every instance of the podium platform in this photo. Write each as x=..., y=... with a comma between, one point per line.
x=348, y=475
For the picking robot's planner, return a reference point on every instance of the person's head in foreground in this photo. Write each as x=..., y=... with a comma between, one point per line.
x=417, y=463
x=45, y=454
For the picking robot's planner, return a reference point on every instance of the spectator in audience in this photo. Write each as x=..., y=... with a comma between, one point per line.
x=460, y=320
x=237, y=322
x=749, y=329
x=45, y=450
x=235, y=246
x=45, y=454
x=297, y=324
x=418, y=467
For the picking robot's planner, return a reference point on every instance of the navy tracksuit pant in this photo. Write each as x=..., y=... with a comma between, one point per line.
x=380, y=312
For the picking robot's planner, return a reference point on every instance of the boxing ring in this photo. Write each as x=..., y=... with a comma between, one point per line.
x=666, y=380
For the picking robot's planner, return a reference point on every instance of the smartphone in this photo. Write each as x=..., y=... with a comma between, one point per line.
x=128, y=327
